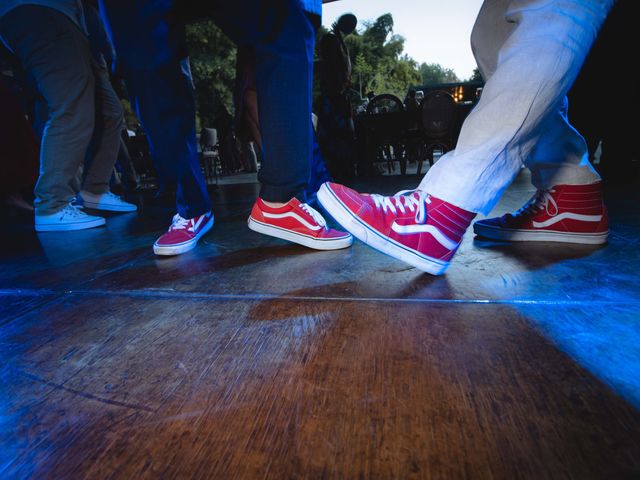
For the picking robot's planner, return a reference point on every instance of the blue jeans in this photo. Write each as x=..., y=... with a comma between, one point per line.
x=150, y=45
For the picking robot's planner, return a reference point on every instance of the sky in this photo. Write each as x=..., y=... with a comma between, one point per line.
x=435, y=31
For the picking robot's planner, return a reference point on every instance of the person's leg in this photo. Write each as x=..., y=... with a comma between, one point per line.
x=527, y=77
x=55, y=53
x=103, y=149
x=151, y=50
x=518, y=98
x=560, y=155
x=163, y=98
x=490, y=32
x=164, y=101
x=150, y=43
x=283, y=41
x=282, y=36
x=568, y=205
x=283, y=80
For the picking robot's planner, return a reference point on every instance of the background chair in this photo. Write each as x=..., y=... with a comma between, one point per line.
x=209, y=154
x=438, y=121
x=385, y=125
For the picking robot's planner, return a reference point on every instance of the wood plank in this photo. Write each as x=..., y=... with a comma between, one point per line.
x=13, y=305
x=117, y=387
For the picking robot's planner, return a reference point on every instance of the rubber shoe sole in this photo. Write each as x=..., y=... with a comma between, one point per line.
x=522, y=235
x=366, y=234
x=305, y=240
x=110, y=208
x=182, y=247
x=69, y=227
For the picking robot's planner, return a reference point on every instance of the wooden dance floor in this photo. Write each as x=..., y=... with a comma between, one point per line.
x=253, y=358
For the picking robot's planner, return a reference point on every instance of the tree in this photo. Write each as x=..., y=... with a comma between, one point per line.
x=377, y=55
x=212, y=58
x=476, y=76
x=361, y=71
x=376, y=33
x=434, y=73
x=378, y=62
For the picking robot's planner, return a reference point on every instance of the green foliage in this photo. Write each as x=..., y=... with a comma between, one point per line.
x=476, y=76
x=377, y=55
x=378, y=61
x=433, y=73
x=212, y=58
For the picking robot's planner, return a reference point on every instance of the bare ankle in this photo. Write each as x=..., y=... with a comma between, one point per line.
x=274, y=204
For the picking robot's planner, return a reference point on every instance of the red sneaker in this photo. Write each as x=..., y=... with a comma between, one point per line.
x=183, y=234
x=298, y=223
x=414, y=227
x=565, y=213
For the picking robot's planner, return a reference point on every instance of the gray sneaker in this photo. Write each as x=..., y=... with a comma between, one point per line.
x=106, y=201
x=69, y=218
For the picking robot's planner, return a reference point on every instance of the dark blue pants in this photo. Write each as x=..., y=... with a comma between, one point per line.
x=149, y=40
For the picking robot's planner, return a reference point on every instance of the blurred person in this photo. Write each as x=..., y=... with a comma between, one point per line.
x=336, y=130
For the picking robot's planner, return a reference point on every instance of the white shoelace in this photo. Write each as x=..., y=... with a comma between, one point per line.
x=319, y=219
x=179, y=223
x=413, y=200
x=72, y=211
x=540, y=201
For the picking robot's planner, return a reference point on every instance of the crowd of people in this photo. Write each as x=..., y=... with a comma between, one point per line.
x=144, y=42
x=529, y=53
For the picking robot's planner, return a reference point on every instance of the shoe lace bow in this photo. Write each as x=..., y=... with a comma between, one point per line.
x=180, y=223
x=541, y=200
x=71, y=210
x=411, y=200
x=317, y=217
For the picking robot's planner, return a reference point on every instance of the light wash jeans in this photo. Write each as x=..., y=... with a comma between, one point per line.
x=530, y=53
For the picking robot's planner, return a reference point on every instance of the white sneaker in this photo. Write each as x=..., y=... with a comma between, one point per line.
x=105, y=201
x=69, y=218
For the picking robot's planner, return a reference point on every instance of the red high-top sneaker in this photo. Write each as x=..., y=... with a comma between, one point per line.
x=414, y=227
x=564, y=213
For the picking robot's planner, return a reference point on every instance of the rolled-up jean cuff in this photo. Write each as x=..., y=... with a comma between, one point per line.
x=272, y=193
